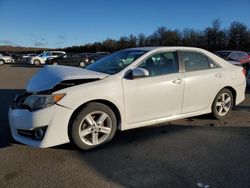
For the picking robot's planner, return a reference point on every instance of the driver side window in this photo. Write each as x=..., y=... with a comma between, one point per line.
x=161, y=63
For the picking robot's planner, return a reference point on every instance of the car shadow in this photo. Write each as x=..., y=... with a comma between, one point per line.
x=129, y=136
x=6, y=98
x=248, y=89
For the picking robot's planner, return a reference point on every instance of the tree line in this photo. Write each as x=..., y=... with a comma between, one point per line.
x=212, y=38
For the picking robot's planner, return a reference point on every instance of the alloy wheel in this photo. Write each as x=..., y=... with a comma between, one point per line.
x=223, y=104
x=95, y=128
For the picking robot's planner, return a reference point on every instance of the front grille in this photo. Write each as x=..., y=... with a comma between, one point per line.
x=26, y=133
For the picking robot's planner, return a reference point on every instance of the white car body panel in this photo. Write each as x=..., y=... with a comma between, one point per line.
x=138, y=95
x=195, y=97
x=24, y=119
x=140, y=102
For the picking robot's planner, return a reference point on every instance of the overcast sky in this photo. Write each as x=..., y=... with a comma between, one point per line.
x=60, y=23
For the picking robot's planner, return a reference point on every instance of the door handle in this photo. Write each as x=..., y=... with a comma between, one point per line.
x=177, y=81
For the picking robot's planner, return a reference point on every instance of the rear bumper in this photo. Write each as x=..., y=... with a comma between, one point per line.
x=240, y=93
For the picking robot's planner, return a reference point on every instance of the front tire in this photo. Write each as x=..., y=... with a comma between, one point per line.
x=2, y=62
x=37, y=62
x=93, y=126
x=222, y=104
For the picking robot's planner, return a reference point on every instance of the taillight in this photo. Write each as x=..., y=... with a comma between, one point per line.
x=244, y=71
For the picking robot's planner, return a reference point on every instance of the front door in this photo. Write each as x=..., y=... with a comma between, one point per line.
x=157, y=96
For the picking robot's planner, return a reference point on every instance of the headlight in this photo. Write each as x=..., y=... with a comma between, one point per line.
x=34, y=102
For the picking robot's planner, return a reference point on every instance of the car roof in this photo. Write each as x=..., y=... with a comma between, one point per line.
x=153, y=49
x=150, y=48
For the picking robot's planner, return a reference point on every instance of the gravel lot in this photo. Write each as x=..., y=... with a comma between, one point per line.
x=194, y=152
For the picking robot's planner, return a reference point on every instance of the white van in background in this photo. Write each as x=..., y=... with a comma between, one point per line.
x=41, y=58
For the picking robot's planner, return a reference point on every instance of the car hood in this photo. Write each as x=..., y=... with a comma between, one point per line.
x=51, y=75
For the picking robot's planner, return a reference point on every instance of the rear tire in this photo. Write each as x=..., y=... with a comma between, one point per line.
x=93, y=126
x=222, y=104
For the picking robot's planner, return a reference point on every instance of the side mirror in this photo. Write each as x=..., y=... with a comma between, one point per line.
x=139, y=72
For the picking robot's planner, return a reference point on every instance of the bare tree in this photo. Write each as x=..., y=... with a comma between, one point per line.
x=238, y=36
x=141, y=40
x=213, y=38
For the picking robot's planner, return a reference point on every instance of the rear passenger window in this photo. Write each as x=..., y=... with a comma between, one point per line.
x=194, y=61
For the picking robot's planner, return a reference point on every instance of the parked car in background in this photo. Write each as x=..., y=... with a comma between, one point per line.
x=102, y=54
x=237, y=63
x=17, y=57
x=25, y=58
x=41, y=58
x=20, y=58
x=71, y=59
x=240, y=56
x=98, y=55
x=128, y=89
x=6, y=59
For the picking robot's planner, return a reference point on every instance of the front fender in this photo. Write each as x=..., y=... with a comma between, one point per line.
x=107, y=89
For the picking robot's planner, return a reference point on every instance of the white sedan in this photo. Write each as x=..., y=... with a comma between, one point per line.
x=6, y=59
x=128, y=89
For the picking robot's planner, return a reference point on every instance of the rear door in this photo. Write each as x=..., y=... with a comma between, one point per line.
x=203, y=78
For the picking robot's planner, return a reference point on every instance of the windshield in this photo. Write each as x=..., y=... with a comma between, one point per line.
x=116, y=62
x=44, y=54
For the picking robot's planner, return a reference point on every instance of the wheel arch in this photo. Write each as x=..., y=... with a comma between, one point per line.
x=233, y=91
x=102, y=101
x=2, y=60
